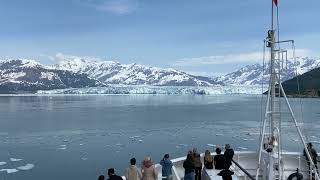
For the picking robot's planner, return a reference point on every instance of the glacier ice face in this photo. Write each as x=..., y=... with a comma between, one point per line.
x=212, y=90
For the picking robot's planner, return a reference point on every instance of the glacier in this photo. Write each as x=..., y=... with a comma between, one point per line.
x=165, y=90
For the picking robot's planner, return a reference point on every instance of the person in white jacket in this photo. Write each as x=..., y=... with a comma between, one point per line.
x=133, y=172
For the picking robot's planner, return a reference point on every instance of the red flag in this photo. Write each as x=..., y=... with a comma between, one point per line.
x=275, y=2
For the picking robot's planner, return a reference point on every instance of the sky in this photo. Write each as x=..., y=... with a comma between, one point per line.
x=203, y=37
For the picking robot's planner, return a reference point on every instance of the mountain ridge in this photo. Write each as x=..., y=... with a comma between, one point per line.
x=252, y=74
x=31, y=76
x=77, y=72
x=111, y=72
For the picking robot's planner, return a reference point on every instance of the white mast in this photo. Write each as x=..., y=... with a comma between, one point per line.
x=270, y=145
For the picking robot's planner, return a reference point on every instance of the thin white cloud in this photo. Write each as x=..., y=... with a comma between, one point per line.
x=51, y=58
x=252, y=57
x=118, y=7
x=205, y=73
x=62, y=57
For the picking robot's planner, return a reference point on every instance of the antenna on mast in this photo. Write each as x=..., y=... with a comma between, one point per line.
x=270, y=141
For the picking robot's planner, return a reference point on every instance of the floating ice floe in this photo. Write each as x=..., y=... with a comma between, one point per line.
x=135, y=136
x=315, y=142
x=63, y=145
x=80, y=144
x=62, y=148
x=243, y=148
x=26, y=167
x=84, y=158
x=3, y=163
x=140, y=141
x=211, y=145
x=185, y=145
x=15, y=159
x=9, y=170
x=219, y=134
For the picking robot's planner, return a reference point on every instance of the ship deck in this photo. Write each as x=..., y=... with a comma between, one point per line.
x=248, y=160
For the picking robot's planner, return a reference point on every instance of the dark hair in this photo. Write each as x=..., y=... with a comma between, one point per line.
x=189, y=157
x=101, y=177
x=166, y=156
x=218, y=150
x=133, y=161
x=310, y=144
x=110, y=171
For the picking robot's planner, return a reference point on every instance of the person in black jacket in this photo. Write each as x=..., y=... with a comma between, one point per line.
x=219, y=160
x=313, y=153
x=101, y=177
x=112, y=175
x=228, y=154
x=189, y=168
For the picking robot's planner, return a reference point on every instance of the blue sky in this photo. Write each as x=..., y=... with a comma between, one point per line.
x=199, y=36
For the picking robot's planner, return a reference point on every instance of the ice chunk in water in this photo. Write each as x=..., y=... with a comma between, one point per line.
x=315, y=142
x=211, y=145
x=3, y=163
x=140, y=141
x=243, y=148
x=9, y=170
x=15, y=159
x=26, y=167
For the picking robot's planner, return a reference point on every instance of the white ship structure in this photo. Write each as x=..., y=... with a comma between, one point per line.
x=271, y=161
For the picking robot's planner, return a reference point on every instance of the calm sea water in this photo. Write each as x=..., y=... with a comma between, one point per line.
x=79, y=137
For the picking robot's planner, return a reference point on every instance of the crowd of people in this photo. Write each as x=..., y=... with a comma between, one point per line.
x=192, y=165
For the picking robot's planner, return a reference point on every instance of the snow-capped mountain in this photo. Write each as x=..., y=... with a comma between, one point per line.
x=110, y=72
x=30, y=76
x=252, y=74
x=76, y=72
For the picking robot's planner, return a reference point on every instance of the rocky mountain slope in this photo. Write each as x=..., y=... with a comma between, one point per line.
x=30, y=76
x=309, y=84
